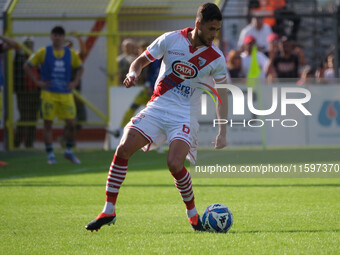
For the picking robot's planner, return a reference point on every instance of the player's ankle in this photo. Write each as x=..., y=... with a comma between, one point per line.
x=109, y=208
x=192, y=212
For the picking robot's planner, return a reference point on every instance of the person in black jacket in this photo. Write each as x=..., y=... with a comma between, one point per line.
x=285, y=63
x=28, y=97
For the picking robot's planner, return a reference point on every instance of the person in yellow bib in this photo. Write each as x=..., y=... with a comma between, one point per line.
x=56, y=63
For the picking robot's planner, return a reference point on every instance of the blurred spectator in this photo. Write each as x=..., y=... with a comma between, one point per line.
x=329, y=71
x=129, y=54
x=252, y=5
x=228, y=45
x=148, y=76
x=82, y=47
x=307, y=76
x=326, y=71
x=263, y=61
x=234, y=64
x=282, y=20
x=273, y=44
x=287, y=22
x=266, y=8
x=259, y=31
x=149, y=73
x=297, y=50
x=28, y=96
x=6, y=44
x=320, y=72
x=285, y=63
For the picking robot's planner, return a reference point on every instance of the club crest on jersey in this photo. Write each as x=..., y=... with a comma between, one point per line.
x=201, y=61
x=184, y=69
x=136, y=120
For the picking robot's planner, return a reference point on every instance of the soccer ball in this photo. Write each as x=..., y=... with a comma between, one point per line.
x=217, y=218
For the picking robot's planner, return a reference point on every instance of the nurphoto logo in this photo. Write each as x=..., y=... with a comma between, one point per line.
x=239, y=101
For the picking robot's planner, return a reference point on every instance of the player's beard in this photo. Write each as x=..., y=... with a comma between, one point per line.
x=203, y=41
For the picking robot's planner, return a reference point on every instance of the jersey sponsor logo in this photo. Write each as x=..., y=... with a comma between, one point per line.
x=182, y=90
x=176, y=53
x=184, y=69
x=178, y=88
x=59, y=66
x=59, y=63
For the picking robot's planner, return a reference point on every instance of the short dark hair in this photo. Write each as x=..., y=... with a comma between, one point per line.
x=58, y=30
x=208, y=12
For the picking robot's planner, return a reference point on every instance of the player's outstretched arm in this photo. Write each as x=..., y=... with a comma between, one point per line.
x=222, y=113
x=136, y=68
x=9, y=43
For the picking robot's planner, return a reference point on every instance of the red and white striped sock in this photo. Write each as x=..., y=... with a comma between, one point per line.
x=184, y=186
x=115, y=179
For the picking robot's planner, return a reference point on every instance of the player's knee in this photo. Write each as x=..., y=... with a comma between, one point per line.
x=123, y=151
x=48, y=125
x=70, y=128
x=174, y=164
x=71, y=124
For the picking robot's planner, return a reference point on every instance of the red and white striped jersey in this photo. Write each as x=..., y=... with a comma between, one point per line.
x=183, y=72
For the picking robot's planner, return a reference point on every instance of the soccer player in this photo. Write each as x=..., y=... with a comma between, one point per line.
x=57, y=62
x=189, y=59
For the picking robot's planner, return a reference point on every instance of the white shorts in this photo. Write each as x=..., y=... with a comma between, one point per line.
x=158, y=130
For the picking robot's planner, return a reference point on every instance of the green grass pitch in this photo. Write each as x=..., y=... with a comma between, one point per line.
x=43, y=209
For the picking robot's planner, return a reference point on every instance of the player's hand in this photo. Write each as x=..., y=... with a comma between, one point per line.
x=220, y=142
x=130, y=80
x=72, y=85
x=42, y=84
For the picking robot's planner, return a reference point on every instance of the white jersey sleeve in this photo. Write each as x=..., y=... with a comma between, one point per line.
x=156, y=49
x=220, y=73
